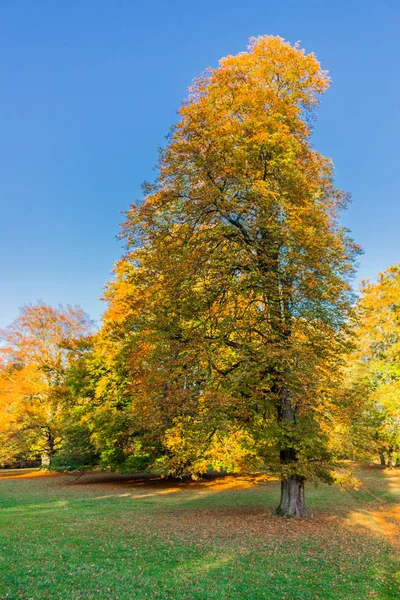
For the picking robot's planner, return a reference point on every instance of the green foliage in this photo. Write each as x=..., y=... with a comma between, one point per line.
x=77, y=452
x=67, y=461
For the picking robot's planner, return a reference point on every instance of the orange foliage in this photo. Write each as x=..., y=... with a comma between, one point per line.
x=226, y=314
x=36, y=352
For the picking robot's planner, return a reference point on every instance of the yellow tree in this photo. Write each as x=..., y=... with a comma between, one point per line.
x=227, y=311
x=37, y=349
x=376, y=371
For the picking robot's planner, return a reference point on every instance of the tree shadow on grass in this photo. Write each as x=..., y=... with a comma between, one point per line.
x=227, y=505
x=222, y=530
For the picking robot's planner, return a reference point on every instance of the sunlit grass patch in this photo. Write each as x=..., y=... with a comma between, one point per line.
x=119, y=537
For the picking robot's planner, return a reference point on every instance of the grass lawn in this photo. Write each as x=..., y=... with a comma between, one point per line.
x=117, y=537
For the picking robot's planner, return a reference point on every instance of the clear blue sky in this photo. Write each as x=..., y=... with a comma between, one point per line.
x=89, y=89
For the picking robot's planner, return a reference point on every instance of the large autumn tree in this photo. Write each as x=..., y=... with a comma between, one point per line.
x=37, y=351
x=226, y=320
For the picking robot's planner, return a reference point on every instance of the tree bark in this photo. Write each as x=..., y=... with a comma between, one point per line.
x=48, y=449
x=293, y=502
x=382, y=459
x=391, y=461
x=45, y=458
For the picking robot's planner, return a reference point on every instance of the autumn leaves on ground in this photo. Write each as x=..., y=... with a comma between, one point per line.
x=112, y=536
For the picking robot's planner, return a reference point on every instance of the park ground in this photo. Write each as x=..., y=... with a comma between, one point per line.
x=106, y=536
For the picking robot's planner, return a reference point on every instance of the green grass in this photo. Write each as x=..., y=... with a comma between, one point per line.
x=118, y=538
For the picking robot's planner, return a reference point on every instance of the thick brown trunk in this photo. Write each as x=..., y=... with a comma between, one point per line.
x=382, y=459
x=293, y=502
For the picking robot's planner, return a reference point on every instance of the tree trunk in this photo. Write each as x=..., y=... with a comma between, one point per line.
x=293, y=502
x=48, y=449
x=383, y=459
x=45, y=458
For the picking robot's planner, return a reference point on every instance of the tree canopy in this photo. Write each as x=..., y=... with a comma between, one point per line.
x=37, y=350
x=228, y=310
x=374, y=376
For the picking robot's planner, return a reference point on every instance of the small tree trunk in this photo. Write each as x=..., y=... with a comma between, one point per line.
x=48, y=450
x=45, y=458
x=383, y=459
x=293, y=502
